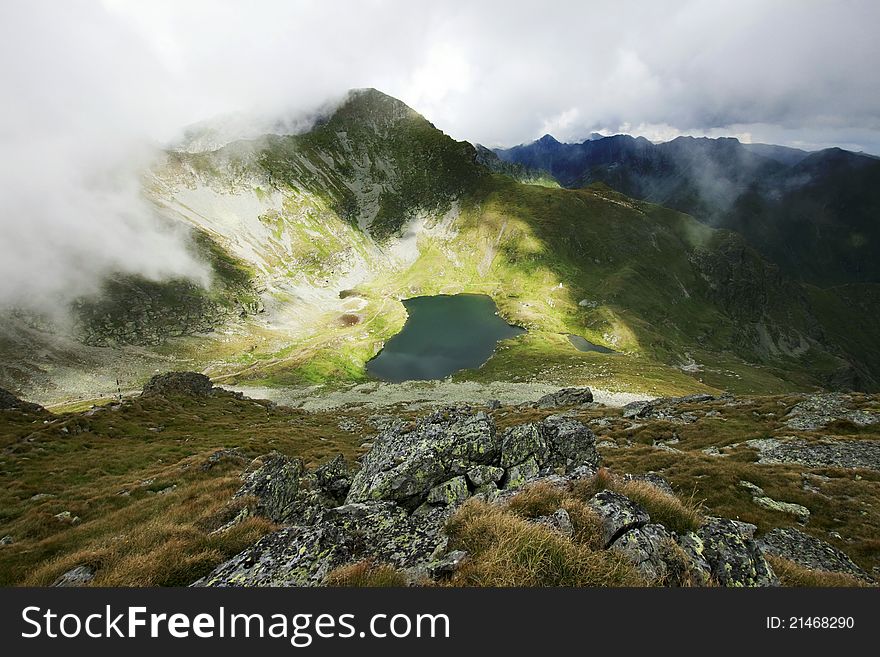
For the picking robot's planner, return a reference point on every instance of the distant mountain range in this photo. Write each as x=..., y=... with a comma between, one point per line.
x=816, y=215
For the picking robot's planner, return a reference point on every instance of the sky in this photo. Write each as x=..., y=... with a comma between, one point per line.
x=91, y=85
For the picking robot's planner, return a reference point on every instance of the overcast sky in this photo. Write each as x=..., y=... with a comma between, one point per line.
x=86, y=83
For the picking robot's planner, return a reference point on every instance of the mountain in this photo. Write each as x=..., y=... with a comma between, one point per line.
x=314, y=239
x=813, y=214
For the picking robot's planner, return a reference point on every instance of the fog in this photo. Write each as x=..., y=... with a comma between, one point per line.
x=91, y=89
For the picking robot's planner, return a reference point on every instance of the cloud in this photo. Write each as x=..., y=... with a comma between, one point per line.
x=89, y=86
x=79, y=90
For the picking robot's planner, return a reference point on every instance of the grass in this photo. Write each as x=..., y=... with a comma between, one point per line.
x=792, y=574
x=366, y=574
x=507, y=550
x=138, y=478
x=134, y=476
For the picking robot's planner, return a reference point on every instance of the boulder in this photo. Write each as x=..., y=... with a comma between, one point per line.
x=618, y=513
x=191, y=384
x=559, y=521
x=9, y=402
x=651, y=549
x=274, y=480
x=566, y=397
x=406, y=463
x=809, y=552
x=557, y=441
x=521, y=442
x=571, y=443
x=518, y=475
x=731, y=552
x=449, y=493
x=304, y=555
x=481, y=475
x=79, y=576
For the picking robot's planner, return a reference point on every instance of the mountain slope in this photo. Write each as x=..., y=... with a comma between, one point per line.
x=321, y=234
x=812, y=214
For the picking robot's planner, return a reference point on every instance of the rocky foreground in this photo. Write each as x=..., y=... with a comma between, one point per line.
x=395, y=509
x=189, y=483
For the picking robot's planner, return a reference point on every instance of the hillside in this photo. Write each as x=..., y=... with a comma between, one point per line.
x=813, y=214
x=315, y=238
x=188, y=483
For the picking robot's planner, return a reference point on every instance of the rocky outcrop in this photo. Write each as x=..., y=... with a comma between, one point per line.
x=394, y=510
x=818, y=411
x=665, y=408
x=9, y=402
x=566, y=397
x=303, y=555
x=817, y=454
x=457, y=449
x=809, y=552
x=283, y=491
x=191, y=384
x=731, y=553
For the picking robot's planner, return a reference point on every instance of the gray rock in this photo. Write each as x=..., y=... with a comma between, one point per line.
x=665, y=408
x=304, y=555
x=800, y=512
x=405, y=464
x=809, y=552
x=571, y=443
x=519, y=475
x=274, y=480
x=817, y=411
x=229, y=455
x=559, y=520
x=618, y=513
x=484, y=474
x=566, y=397
x=652, y=478
x=733, y=556
x=449, y=493
x=7, y=540
x=179, y=383
x=637, y=409
x=445, y=567
x=79, y=576
x=521, y=442
x=654, y=553
x=66, y=517
x=826, y=453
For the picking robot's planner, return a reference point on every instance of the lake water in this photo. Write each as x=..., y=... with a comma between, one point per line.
x=443, y=334
x=582, y=344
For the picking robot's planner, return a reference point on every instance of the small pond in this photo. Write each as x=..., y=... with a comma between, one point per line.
x=443, y=334
x=582, y=344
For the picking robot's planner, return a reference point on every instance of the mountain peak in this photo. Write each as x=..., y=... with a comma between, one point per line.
x=371, y=106
x=548, y=140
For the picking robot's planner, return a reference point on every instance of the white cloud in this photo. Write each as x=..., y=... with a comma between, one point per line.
x=87, y=84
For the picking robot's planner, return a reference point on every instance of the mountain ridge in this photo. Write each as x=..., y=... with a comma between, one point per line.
x=329, y=229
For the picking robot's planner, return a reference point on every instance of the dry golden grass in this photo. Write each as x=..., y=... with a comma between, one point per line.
x=792, y=574
x=666, y=509
x=139, y=480
x=166, y=545
x=366, y=574
x=507, y=550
